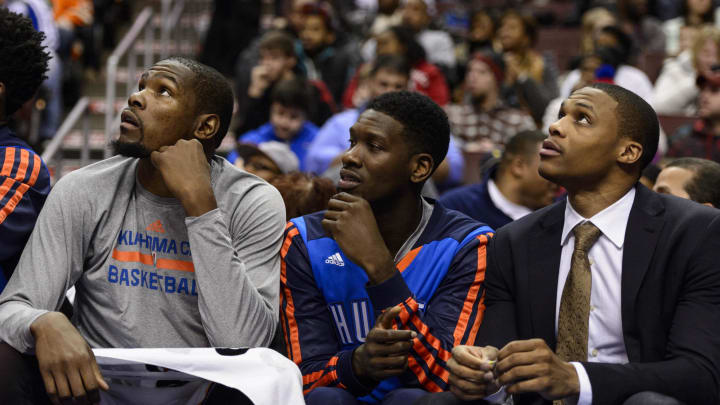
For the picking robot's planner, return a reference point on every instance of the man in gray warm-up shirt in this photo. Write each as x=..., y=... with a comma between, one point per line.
x=167, y=245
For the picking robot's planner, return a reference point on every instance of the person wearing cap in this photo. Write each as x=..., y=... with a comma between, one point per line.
x=266, y=160
x=483, y=122
x=288, y=120
x=702, y=138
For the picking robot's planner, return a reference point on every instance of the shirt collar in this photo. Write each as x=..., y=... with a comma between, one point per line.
x=514, y=211
x=612, y=221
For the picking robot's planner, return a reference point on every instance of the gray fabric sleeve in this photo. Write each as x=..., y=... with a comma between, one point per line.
x=50, y=264
x=237, y=268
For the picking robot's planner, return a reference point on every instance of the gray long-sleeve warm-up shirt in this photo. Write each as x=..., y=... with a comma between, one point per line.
x=147, y=275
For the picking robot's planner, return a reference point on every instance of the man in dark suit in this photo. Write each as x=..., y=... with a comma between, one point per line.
x=610, y=297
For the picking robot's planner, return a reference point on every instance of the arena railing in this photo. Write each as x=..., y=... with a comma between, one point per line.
x=50, y=155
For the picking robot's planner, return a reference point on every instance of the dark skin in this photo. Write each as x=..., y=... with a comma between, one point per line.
x=176, y=165
x=587, y=126
x=378, y=208
x=3, y=92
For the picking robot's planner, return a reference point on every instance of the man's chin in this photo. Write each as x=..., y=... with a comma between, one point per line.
x=130, y=149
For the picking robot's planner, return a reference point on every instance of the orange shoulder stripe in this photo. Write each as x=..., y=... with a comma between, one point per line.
x=472, y=295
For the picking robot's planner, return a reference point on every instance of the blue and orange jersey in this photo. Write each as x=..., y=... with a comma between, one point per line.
x=24, y=186
x=328, y=308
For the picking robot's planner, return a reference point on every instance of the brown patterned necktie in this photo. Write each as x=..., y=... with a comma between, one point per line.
x=572, y=339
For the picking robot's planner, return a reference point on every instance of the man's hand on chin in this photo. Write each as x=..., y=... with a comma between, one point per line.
x=350, y=221
x=530, y=366
x=186, y=173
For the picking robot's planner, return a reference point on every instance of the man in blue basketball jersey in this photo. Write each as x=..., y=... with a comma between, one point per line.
x=378, y=289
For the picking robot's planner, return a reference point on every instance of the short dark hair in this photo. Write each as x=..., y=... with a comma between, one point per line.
x=425, y=124
x=278, y=40
x=391, y=63
x=23, y=59
x=636, y=119
x=213, y=94
x=524, y=143
x=704, y=186
x=293, y=93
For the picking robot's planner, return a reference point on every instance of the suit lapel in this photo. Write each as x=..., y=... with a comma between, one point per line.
x=543, y=268
x=641, y=237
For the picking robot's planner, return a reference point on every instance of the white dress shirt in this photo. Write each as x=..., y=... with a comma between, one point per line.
x=509, y=208
x=606, y=343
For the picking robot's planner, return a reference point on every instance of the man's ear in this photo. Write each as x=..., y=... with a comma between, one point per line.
x=206, y=126
x=630, y=153
x=421, y=167
x=517, y=167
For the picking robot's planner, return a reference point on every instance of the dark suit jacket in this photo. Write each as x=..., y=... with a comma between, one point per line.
x=670, y=297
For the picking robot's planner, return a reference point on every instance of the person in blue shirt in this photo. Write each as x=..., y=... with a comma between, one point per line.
x=511, y=189
x=288, y=121
x=388, y=73
x=378, y=289
x=24, y=178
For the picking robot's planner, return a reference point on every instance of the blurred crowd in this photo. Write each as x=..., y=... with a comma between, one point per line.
x=303, y=71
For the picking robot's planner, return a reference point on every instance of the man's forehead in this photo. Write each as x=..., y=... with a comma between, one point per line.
x=377, y=123
x=172, y=69
x=591, y=97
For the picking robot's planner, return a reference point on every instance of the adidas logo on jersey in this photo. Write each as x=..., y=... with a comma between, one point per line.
x=336, y=260
x=156, y=227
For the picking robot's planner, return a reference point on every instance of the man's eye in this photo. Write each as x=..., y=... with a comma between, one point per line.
x=164, y=92
x=583, y=119
x=352, y=142
x=561, y=114
x=375, y=146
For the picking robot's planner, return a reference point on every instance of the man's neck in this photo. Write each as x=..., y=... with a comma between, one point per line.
x=151, y=179
x=509, y=188
x=589, y=201
x=397, y=219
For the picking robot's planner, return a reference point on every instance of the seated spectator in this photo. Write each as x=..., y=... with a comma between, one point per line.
x=613, y=41
x=482, y=32
x=625, y=309
x=511, y=189
x=24, y=179
x=425, y=78
x=383, y=274
x=692, y=178
x=389, y=14
x=680, y=31
x=171, y=247
x=531, y=78
x=389, y=73
x=303, y=194
x=644, y=29
x=483, y=122
x=266, y=160
x=417, y=15
x=675, y=91
x=702, y=138
x=277, y=63
x=288, y=120
x=593, y=21
x=324, y=57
